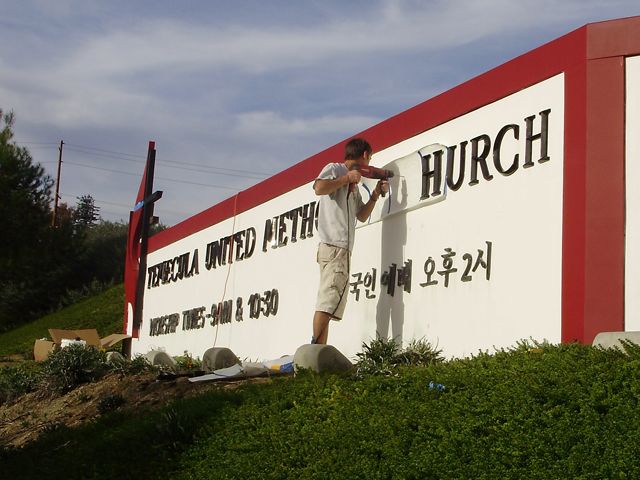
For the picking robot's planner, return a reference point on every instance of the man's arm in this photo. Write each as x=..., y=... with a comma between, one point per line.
x=367, y=208
x=325, y=187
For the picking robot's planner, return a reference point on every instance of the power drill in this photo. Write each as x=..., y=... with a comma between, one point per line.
x=374, y=173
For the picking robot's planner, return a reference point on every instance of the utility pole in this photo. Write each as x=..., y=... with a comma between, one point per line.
x=55, y=204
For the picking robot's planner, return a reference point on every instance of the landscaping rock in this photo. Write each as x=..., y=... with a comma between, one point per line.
x=218, y=357
x=321, y=358
x=160, y=358
x=115, y=358
x=612, y=339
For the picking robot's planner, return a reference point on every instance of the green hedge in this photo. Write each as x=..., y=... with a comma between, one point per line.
x=568, y=411
x=553, y=412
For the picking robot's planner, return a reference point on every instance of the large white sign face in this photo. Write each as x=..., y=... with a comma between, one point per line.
x=632, y=189
x=465, y=252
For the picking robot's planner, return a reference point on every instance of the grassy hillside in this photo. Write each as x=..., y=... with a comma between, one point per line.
x=534, y=412
x=103, y=312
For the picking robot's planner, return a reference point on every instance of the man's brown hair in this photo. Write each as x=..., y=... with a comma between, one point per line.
x=356, y=148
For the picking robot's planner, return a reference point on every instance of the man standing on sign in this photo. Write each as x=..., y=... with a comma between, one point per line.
x=340, y=204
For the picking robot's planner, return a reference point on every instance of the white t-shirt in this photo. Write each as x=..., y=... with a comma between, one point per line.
x=333, y=226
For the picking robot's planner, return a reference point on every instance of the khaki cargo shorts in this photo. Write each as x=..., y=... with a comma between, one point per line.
x=334, y=274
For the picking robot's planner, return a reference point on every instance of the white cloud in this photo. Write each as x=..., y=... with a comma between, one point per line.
x=268, y=124
x=167, y=44
x=102, y=80
x=200, y=86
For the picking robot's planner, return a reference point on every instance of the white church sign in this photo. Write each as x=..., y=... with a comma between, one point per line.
x=505, y=221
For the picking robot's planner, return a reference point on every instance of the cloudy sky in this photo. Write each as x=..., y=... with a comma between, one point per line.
x=233, y=91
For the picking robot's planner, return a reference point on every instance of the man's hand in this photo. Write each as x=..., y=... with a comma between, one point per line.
x=353, y=176
x=381, y=188
x=326, y=187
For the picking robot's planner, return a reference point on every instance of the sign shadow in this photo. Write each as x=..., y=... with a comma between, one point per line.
x=390, y=306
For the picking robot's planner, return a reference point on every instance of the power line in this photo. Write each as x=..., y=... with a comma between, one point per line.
x=263, y=174
x=120, y=155
x=132, y=157
x=198, y=170
x=107, y=151
x=127, y=206
x=68, y=195
x=112, y=213
x=36, y=143
x=102, y=210
x=199, y=184
x=214, y=173
x=99, y=152
x=104, y=155
x=157, y=178
x=102, y=168
x=43, y=147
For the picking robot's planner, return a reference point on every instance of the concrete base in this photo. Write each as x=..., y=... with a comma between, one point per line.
x=160, y=359
x=321, y=358
x=115, y=358
x=612, y=339
x=218, y=357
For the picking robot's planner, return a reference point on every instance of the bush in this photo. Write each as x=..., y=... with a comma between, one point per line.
x=419, y=353
x=382, y=356
x=110, y=402
x=64, y=370
x=138, y=364
x=91, y=289
x=534, y=411
x=173, y=427
x=74, y=365
x=16, y=380
x=187, y=362
x=377, y=357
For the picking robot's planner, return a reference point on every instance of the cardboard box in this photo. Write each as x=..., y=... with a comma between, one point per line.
x=43, y=347
x=114, y=338
x=90, y=336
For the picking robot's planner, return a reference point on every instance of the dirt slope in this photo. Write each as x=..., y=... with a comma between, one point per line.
x=28, y=417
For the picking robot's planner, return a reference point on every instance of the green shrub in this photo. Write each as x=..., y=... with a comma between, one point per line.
x=92, y=289
x=16, y=380
x=135, y=444
x=419, y=353
x=52, y=426
x=74, y=365
x=172, y=427
x=138, y=364
x=535, y=411
x=110, y=402
x=377, y=357
x=381, y=356
x=187, y=362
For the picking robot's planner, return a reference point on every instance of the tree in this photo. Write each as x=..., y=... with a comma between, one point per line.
x=35, y=260
x=86, y=213
x=41, y=266
x=101, y=257
x=25, y=194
